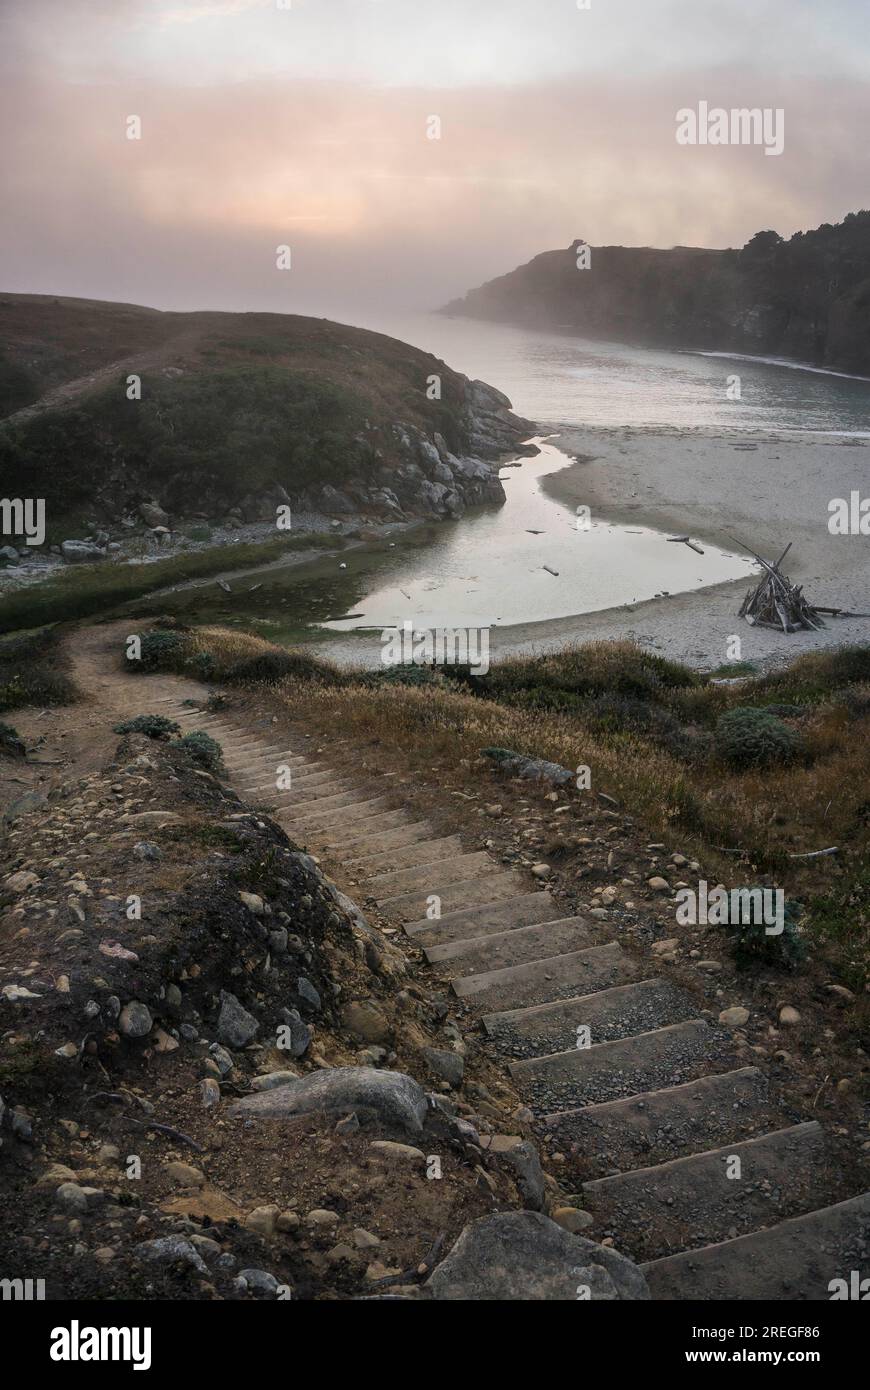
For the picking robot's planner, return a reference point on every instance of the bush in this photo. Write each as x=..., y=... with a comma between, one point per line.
x=152, y=725
x=10, y=742
x=748, y=737
x=159, y=652
x=752, y=946
x=276, y=665
x=202, y=749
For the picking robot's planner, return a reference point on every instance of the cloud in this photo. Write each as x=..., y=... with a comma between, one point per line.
x=190, y=215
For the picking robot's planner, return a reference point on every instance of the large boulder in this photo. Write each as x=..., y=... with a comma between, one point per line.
x=153, y=514
x=81, y=552
x=336, y=503
x=526, y=1257
x=390, y=1097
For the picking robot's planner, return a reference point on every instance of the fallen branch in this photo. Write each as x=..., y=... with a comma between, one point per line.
x=817, y=853
x=168, y=1129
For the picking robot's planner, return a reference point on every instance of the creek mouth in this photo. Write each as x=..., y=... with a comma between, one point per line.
x=527, y=561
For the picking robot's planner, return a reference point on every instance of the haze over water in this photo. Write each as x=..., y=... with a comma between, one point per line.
x=558, y=378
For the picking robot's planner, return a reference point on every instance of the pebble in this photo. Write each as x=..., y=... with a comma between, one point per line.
x=398, y=1153
x=135, y=1020
x=789, y=1015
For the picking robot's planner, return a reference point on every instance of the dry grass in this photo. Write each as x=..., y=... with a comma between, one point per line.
x=699, y=803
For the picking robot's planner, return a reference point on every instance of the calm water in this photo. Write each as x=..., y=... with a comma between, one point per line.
x=560, y=379
x=488, y=569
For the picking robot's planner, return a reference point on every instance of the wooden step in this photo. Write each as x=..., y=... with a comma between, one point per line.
x=693, y=1200
x=521, y=911
x=486, y=888
x=429, y=878
x=404, y=832
x=405, y=856
x=643, y=1062
x=514, y=947
x=341, y=837
x=656, y=1126
x=340, y=810
x=610, y=1013
x=796, y=1260
x=541, y=981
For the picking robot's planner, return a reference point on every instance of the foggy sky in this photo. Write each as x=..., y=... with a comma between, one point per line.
x=263, y=126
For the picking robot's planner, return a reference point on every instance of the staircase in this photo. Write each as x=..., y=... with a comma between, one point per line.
x=657, y=1105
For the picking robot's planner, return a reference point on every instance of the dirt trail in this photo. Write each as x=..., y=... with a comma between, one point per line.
x=138, y=362
x=71, y=741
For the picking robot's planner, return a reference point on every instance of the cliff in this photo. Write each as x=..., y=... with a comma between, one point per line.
x=805, y=298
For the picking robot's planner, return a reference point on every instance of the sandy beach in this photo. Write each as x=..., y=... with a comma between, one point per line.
x=762, y=490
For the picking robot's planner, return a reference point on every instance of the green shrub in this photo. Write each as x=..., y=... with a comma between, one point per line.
x=10, y=742
x=159, y=652
x=747, y=737
x=276, y=665
x=751, y=945
x=152, y=725
x=202, y=749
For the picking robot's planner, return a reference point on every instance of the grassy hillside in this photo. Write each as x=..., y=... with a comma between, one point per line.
x=805, y=297
x=231, y=404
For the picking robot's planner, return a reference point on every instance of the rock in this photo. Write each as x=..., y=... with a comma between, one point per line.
x=541, y=870
x=734, y=1017
x=446, y=1065
x=209, y=1249
x=665, y=946
x=256, y=1281
x=135, y=1020
x=262, y=1221
x=267, y=1081
x=789, y=1015
x=55, y=1174
x=73, y=1196
x=184, y=1174
x=335, y=503
x=170, y=1250
x=145, y=849
x=235, y=1026
x=524, y=1256
x=81, y=552
x=710, y=967
x=389, y=1096
x=9, y=554
x=288, y=1221
x=322, y=1219
x=308, y=994
x=340, y=1254
x=572, y=1219
x=297, y=1038
x=221, y=1059
x=659, y=884
x=364, y=1240
x=20, y=882
x=364, y=1020
x=396, y=1153
x=254, y=903
x=522, y=1157
x=530, y=769
x=153, y=514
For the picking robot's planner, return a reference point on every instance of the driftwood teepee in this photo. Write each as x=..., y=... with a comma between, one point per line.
x=777, y=603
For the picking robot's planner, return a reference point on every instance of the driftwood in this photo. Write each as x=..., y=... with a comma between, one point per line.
x=777, y=603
